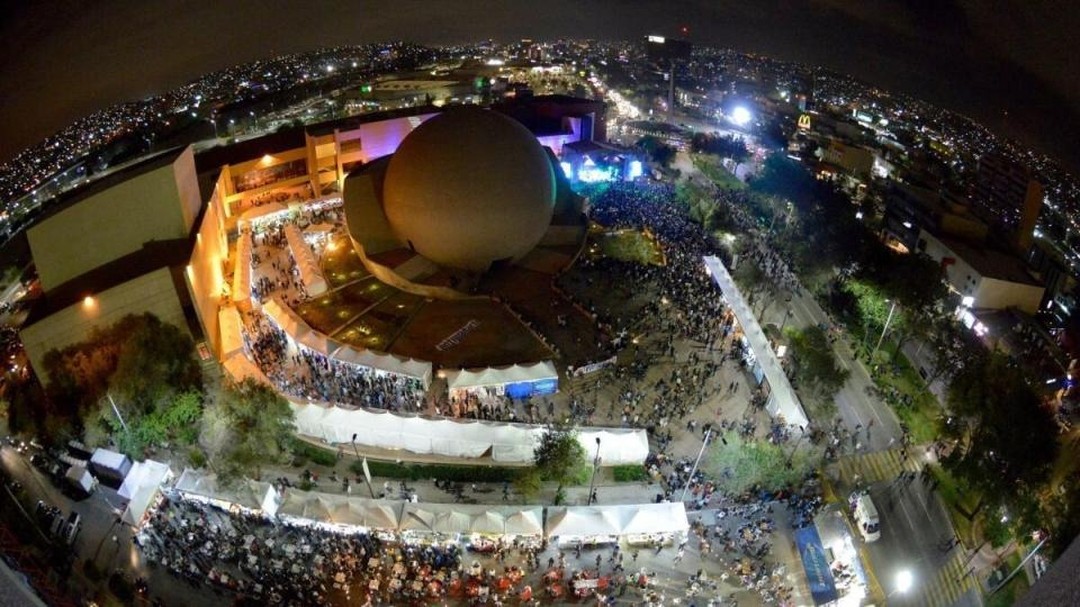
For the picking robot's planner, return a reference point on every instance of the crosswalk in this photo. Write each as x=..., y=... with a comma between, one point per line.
x=876, y=466
x=951, y=583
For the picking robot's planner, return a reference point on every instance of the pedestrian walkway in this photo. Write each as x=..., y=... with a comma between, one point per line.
x=951, y=583
x=877, y=466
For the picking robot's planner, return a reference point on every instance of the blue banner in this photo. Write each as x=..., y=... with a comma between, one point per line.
x=532, y=388
x=816, y=565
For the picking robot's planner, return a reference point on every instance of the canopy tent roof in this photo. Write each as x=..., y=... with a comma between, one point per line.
x=500, y=376
x=241, y=287
x=232, y=340
x=310, y=272
x=293, y=325
x=143, y=494
x=239, y=367
x=263, y=211
x=617, y=520
x=253, y=495
x=466, y=518
x=505, y=442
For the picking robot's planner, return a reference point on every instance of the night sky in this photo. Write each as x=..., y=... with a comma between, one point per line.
x=62, y=60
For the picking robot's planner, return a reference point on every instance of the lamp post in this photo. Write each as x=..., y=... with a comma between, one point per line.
x=367, y=475
x=595, y=465
x=791, y=456
x=888, y=321
x=704, y=443
x=904, y=580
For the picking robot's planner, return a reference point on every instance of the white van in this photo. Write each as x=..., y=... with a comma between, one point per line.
x=866, y=517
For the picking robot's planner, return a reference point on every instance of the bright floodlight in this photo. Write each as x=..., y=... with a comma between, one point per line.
x=740, y=116
x=904, y=580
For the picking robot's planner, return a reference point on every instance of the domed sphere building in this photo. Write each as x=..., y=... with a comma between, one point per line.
x=469, y=188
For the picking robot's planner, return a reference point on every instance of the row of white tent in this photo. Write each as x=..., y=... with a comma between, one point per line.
x=455, y=437
x=241, y=287
x=300, y=332
x=310, y=272
x=305, y=507
x=487, y=377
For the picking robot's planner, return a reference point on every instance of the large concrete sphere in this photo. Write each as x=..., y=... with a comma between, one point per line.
x=469, y=187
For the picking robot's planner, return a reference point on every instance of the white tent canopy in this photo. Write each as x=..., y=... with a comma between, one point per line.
x=500, y=376
x=231, y=327
x=141, y=486
x=465, y=519
x=298, y=330
x=241, y=287
x=617, y=520
x=263, y=211
x=249, y=494
x=310, y=273
x=505, y=442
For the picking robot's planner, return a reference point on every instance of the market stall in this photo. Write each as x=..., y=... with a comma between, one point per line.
x=310, y=273
x=596, y=525
x=503, y=442
x=141, y=486
x=515, y=381
x=247, y=495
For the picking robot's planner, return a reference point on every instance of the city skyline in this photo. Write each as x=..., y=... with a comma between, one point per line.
x=1011, y=63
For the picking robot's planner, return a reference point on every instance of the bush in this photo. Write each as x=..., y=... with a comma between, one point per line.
x=630, y=474
x=197, y=457
x=443, y=472
x=303, y=451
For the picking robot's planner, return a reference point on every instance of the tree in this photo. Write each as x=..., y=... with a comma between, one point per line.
x=660, y=152
x=815, y=364
x=248, y=425
x=559, y=457
x=1005, y=439
x=739, y=465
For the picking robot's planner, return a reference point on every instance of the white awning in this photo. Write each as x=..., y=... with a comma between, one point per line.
x=241, y=287
x=500, y=376
x=249, y=494
x=310, y=272
x=505, y=442
x=632, y=519
x=231, y=328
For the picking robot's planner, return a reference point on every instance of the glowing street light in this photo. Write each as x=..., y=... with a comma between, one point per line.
x=904, y=580
x=740, y=116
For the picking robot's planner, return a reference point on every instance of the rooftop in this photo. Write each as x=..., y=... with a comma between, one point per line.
x=991, y=263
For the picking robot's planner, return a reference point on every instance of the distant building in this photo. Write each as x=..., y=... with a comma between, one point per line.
x=154, y=236
x=984, y=278
x=1007, y=195
x=858, y=162
x=909, y=209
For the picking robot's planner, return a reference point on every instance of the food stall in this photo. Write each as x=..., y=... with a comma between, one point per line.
x=638, y=524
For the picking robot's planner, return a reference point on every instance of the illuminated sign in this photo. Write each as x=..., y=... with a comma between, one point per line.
x=567, y=169
x=804, y=122
x=656, y=39
x=636, y=169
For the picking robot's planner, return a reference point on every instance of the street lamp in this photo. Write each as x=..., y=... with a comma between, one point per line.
x=904, y=580
x=888, y=321
x=595, y=465
x=366, y=474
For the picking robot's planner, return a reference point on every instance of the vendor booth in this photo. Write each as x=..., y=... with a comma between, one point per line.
x=247, y=495
x=515, y=381
x=141, y=487
x=597, y=525
x=286, y=319
x=503, y=442
x=310, y=274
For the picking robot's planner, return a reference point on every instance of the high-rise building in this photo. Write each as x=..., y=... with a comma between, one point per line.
x=1009, y=196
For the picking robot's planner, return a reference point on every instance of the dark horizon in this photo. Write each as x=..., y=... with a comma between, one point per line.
x=1009, y=69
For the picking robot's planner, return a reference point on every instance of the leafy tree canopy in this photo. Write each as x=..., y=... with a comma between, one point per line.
x=248, y=424
x=560, y=457
x=1004, y=435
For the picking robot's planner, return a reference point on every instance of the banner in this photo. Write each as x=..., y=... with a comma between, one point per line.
x=593, y=367
x=816, y=565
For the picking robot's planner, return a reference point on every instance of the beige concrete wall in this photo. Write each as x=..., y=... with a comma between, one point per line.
x=108, y=225
x=154, y=292
x=187, y=187
x=1000, y=294
x=205, y=273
